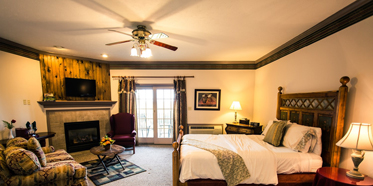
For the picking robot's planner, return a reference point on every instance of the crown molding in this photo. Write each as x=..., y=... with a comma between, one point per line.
x=355, y=12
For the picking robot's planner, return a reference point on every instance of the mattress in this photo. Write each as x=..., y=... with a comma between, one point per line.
x=263, y=161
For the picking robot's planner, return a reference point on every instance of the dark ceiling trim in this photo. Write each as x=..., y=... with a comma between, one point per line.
x=18, y=49
x=162, y=66
x=355, y=12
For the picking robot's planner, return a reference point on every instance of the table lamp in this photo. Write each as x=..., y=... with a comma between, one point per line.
x=235, y=106
x=358, y=138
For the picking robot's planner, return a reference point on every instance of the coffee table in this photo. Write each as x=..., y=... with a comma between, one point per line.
x=113, y=152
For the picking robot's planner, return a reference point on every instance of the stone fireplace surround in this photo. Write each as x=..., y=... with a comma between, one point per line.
x=61, y=112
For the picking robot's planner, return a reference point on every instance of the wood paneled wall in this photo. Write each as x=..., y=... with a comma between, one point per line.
x=54, y=70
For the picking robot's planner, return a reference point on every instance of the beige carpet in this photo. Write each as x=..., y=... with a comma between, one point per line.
x=155, y=159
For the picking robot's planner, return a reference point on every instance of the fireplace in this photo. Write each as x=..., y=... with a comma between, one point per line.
x=82, y=135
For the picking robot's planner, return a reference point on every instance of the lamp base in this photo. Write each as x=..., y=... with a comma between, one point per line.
x=357, y=157
x=355, y=174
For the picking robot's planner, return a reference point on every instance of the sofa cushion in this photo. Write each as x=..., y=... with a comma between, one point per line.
x=34, y=146
x=18, y=142
x=4, y=170
x=22, y=161
x=51, y=174
x=58, y=155
x=80, y=170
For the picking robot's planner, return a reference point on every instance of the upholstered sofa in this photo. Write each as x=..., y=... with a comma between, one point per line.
x=25, y=162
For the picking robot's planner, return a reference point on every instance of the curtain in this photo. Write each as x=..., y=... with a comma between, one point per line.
x=127, y=97
x=180, y=106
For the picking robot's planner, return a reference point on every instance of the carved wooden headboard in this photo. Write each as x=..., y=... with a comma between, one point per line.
x=319, y=109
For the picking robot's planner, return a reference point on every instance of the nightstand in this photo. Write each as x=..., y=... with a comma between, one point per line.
x=236, y=128
x=337, y=176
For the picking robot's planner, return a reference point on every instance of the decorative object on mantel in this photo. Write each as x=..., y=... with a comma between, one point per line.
x=49, y=97
x=358, y=138
x=106, y=142
x=10, y=126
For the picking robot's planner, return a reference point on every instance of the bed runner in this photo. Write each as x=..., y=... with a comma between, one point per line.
x=231, y=164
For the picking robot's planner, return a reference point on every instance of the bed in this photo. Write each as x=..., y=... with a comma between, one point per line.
x=323, y=110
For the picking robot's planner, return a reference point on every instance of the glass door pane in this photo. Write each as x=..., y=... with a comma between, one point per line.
x=145, y=125
x=155, y=114
x=165, y=101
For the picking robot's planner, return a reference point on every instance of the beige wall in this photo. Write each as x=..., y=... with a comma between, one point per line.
x=235, y=85
x=20, y=80
x=318, y=67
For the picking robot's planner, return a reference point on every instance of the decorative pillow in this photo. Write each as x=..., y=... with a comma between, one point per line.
x=4, y=170
x=47, y=150
x=9, y=149
x=274, y=134
x=295, y=133
x=305, y=144
x=33, y=145
x=18, y=142
x=270, y=122
x=22, y=161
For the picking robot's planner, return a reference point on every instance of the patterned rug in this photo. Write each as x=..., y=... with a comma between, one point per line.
x=99, y=176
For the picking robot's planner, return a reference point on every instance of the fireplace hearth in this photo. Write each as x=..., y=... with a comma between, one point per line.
x=82, y=135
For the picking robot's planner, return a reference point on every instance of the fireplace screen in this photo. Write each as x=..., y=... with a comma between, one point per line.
x=82, y=135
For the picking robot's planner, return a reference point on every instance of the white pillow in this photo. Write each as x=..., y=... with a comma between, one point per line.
x=295, y=132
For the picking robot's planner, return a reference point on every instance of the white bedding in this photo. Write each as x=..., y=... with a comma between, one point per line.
x=262, y=160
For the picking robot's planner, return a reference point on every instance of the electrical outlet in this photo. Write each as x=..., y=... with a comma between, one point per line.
x=28, y=102
x=24, y=102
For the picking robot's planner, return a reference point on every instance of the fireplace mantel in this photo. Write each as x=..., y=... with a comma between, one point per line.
x=73, y=105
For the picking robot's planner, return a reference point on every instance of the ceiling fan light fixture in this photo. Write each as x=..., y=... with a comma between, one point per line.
x=134, y=51
x=146, y=53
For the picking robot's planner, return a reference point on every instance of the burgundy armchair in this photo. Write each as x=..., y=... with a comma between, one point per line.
x=123, y=130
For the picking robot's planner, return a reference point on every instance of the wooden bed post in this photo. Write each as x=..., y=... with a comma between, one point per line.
x=175, y=164
x=278, y=113
x=340, y=116
x=176, y=158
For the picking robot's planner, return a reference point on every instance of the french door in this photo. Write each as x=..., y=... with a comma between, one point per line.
x=155, y=114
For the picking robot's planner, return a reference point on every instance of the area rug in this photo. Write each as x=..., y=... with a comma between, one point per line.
x=99, y=176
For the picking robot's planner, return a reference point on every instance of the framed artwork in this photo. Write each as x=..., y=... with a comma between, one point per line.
x=207, y=99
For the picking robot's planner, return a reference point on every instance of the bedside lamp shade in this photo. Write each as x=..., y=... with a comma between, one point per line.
x=235, y=106
x=358, y=138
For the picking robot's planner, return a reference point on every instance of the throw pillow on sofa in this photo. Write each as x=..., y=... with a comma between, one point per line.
x=22, y=161
x=18, y=142
x=34, y=146
x=4, y=170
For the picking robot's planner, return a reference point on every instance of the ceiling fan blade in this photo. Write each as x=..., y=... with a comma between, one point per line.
x=119, y=42
x=158, y=36
x=164, y=45
x=121, y=32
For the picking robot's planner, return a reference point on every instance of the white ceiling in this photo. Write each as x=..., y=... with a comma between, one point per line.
x=203, y=30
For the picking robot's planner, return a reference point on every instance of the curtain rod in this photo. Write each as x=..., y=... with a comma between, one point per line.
x=118, y=77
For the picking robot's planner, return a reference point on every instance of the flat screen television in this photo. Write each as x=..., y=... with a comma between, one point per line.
x=80, y=87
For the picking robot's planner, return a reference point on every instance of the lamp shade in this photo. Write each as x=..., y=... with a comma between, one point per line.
x=236, y=106
x=359, y=137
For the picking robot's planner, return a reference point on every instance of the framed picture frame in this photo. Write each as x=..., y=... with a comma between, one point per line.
x=207, y=99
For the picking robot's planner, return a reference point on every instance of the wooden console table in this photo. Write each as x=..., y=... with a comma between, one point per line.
x=40, y=136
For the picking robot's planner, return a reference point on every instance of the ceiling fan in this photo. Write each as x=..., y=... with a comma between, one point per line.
x=141, y=36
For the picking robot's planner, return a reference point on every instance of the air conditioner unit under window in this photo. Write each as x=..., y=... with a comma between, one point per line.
x=205, y=129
